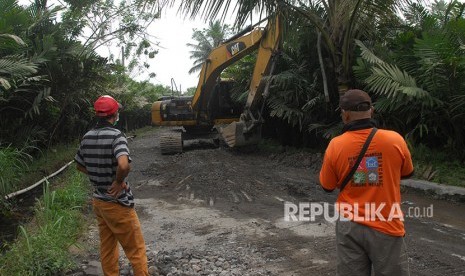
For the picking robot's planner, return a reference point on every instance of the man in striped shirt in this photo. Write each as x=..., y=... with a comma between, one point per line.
x=104, y=156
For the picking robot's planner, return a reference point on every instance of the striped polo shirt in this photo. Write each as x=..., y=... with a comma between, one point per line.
x=98, y=153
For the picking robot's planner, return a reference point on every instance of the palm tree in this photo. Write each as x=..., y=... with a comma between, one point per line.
x=420, y=82
x=206, y=41
x=339, y=22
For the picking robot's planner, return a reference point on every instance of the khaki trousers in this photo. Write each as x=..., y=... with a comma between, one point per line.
x=117, y=223
x=359, y=248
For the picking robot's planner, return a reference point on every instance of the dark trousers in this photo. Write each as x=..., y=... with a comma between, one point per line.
x=361, y=248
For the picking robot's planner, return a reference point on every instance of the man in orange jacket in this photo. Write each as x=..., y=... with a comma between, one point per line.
x=370, y=231
x=104, y=157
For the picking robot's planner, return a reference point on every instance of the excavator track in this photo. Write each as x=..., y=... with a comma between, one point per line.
x=171, y=143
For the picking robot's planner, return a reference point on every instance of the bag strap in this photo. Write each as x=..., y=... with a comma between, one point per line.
x=359, y=159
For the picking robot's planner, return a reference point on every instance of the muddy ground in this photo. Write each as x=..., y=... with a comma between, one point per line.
x=220, y=212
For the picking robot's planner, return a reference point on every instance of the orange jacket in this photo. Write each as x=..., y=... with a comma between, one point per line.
x=376, y=181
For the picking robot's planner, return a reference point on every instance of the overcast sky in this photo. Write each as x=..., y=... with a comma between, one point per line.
x=173, y=32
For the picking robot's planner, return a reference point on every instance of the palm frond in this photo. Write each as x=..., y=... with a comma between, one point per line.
x=389, y=80
x=312, y=103
x=209, y=9
x=15, y=38
x=196, y=68
x=205, y=41
x=5, y=83
x=361, y=69
x=415, y=13
x=328, y=131
x=368, y=55
x=281, y=109
x=16, y=66
x=457, y=106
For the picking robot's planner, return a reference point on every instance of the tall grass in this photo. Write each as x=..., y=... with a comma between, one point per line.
x=42, y=246
x=13, y=163
x=438, y=166
x=47, y=162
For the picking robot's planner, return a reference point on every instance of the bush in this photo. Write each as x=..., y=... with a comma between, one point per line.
x=42, y=246
x=438, y=166
x=12, y=163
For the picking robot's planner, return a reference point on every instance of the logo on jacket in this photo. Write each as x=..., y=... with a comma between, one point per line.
x=368, y=171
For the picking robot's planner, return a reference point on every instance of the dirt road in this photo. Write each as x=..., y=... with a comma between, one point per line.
x=220, y=212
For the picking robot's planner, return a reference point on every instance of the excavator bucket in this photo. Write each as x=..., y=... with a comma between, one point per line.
x=234, y=135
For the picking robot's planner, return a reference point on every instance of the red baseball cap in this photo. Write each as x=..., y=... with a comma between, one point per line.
x=106, y=106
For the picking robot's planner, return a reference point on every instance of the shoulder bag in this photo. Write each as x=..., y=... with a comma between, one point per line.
x=359, y=159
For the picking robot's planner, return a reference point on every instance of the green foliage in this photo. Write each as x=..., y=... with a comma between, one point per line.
x=420, y=81
x=46, y=162
x=27, y=87
x=190, y=91
x=389, y=80
x=438, y=166
x=137, y=99
x=293, y=95
x=22, y=84
x=143, y=93
x=327, y=131
x=13, y=163
x=19, y=169
x=241, y=72
x=49, y=79
x=42, y=246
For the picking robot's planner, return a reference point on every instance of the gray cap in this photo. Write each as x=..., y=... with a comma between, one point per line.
x=355, y=100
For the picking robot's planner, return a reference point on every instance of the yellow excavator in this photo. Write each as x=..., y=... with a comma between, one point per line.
x=211, y=113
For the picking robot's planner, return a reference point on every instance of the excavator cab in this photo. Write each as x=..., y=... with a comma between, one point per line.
x=178, y=111
x=221, y=104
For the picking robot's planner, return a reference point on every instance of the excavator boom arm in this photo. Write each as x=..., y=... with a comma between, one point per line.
x=247, y=130
x=266, y=50
x=220, y=58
